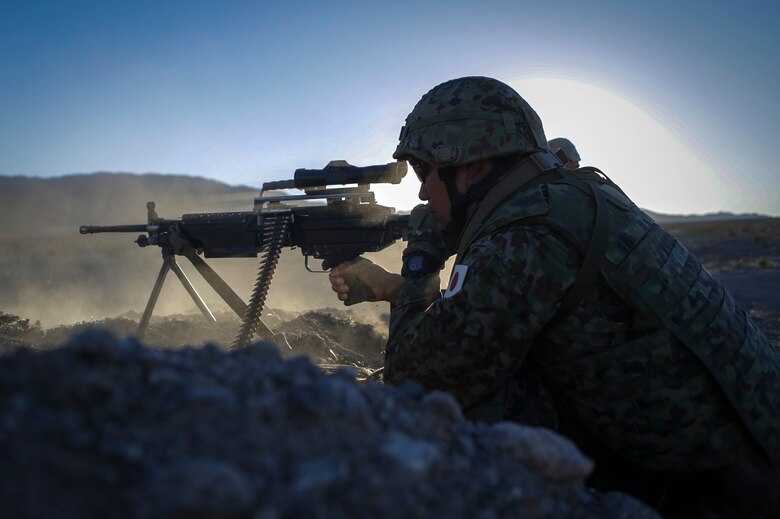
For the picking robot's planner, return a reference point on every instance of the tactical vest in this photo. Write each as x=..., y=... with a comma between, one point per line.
x=656, y=276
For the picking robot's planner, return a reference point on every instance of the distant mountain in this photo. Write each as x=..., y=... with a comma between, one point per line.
x=709, y=217
x=61, y=204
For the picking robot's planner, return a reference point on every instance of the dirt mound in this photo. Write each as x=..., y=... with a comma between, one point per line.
x=328, y=337
x=335, y=338
x=106, y=427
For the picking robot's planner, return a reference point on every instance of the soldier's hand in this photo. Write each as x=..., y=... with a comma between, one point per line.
x=362, y=280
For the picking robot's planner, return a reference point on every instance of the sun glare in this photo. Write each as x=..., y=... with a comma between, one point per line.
x=652, y=165
x=649, y=162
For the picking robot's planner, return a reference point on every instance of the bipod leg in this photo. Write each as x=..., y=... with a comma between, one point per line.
x=217, y=283
x=153, y=298
x=225, y=292
x=190, y=289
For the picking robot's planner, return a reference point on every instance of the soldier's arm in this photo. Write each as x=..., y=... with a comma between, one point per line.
x=464, y=343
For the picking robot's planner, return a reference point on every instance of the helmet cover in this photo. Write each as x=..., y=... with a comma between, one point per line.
x=469, y=119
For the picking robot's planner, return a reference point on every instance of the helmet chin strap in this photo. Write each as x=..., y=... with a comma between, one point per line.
x=460, y=202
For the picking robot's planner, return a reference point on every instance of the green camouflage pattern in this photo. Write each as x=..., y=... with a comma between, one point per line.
x=658, y=361
x=469, y=119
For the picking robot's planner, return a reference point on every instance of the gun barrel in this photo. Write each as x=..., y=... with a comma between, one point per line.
x=94, y=229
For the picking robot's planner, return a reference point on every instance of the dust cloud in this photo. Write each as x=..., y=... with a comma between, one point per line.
x=51, y=274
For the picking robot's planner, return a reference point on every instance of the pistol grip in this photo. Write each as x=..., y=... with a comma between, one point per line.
x=359, y=292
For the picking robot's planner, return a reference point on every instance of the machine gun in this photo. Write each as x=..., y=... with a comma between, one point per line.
x=330, y=224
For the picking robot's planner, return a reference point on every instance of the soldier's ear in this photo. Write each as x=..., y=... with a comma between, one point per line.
x=478, y=170
x=471, y=173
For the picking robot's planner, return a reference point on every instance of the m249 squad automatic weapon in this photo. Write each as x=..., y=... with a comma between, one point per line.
x=330, y=224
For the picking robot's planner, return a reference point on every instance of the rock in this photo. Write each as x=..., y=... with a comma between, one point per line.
x=624, y=506
x=110, y=428
x=442, y=405
x=263, y=351
x=199, y=488
x=413, y=454
x=95, y=345
x=318, y=473
x=556, y=457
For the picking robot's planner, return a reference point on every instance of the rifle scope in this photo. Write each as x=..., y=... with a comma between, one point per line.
x=339, y=172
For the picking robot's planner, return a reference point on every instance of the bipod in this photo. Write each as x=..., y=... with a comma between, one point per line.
x=182, y=247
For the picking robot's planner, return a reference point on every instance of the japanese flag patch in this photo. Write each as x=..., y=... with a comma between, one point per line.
x=456, y=280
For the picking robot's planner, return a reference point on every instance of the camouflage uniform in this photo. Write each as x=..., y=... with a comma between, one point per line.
x=656, y=373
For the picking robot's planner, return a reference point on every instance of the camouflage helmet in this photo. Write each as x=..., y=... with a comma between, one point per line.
x=469, y=119
x=562, y=143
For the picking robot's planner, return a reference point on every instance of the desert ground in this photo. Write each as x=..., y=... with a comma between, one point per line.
x=95, y=422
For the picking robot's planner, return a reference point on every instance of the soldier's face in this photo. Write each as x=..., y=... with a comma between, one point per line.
x=434, y=191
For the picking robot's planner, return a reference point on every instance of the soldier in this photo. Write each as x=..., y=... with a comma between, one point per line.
x=565, y=151
x=565, y=292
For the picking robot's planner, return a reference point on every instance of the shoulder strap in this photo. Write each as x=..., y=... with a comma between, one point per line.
x=597, y=245
x=591, y=264
x=527, y=170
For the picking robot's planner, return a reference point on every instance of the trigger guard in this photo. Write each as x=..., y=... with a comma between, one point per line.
x=306, y=264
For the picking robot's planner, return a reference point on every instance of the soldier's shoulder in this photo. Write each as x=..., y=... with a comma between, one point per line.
x=518, y=245
x=519, y=206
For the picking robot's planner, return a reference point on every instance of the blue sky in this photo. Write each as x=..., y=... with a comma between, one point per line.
x=246, y=92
